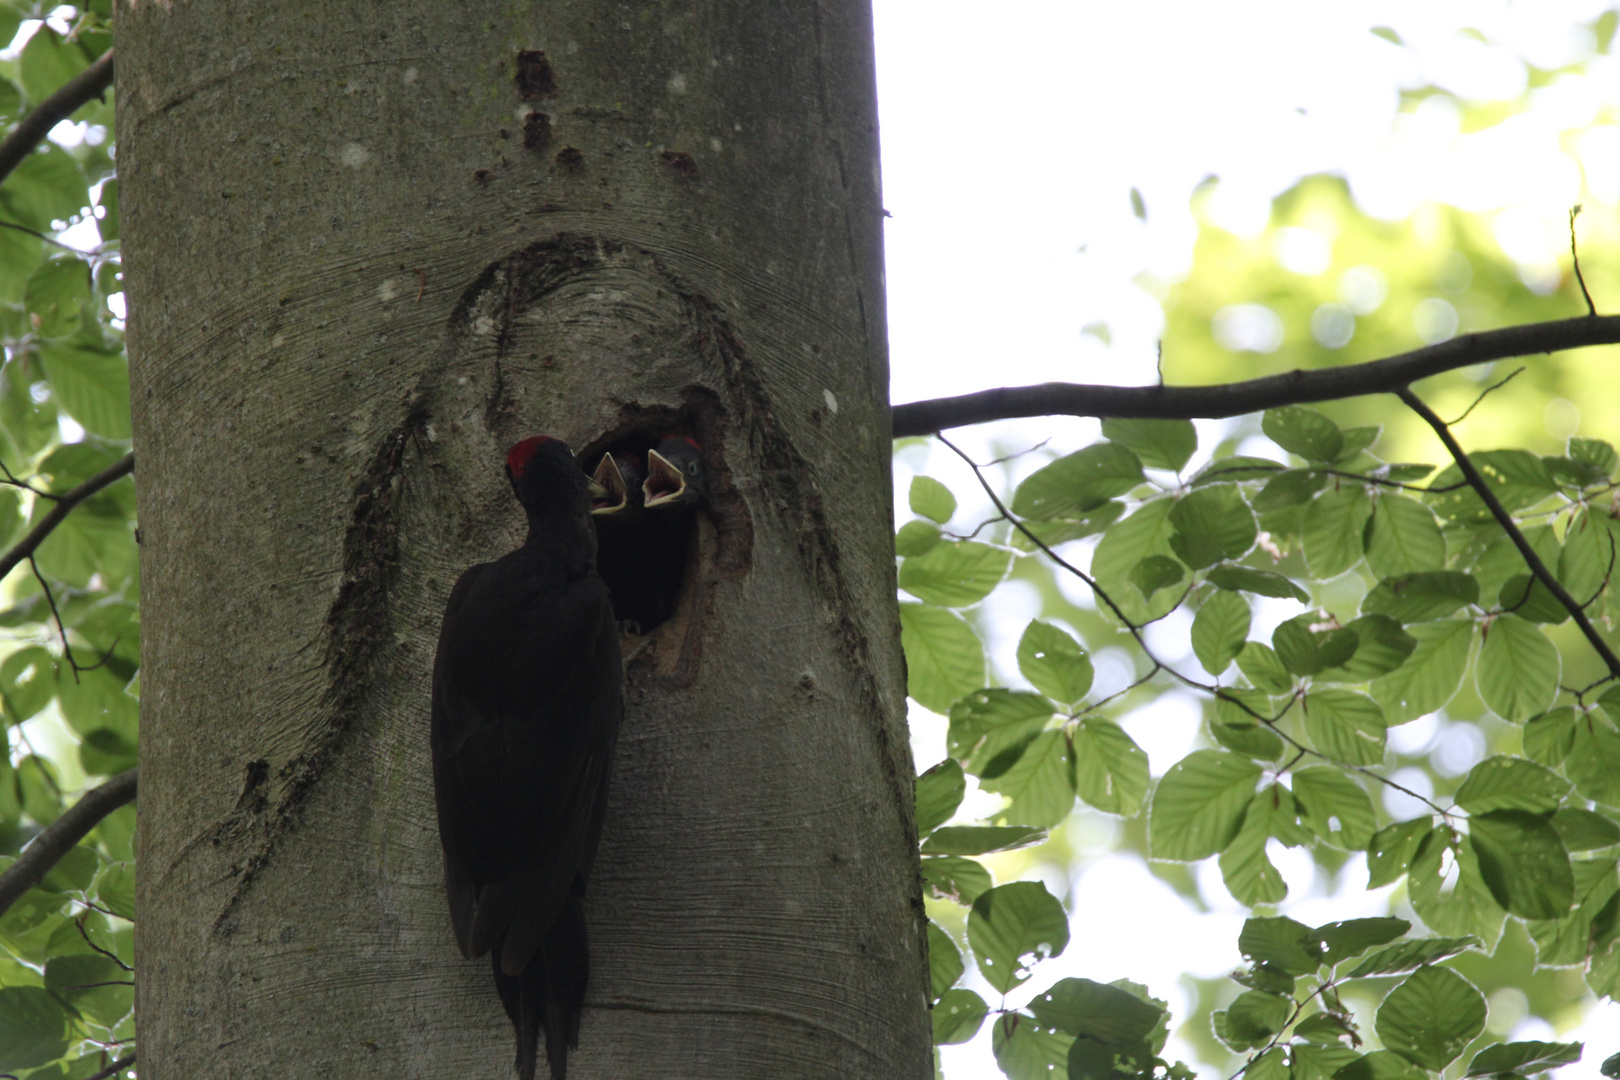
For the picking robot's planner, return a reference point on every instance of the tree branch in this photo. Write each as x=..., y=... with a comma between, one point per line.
x=36, y=536
x=1297, y=387
x=46, y=849
x=1505, y=520
x=114, y=1069
x=89, y=83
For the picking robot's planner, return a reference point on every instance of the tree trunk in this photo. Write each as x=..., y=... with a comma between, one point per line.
x=368, y=246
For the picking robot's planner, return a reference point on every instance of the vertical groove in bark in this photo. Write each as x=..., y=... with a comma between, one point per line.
x=370, y=247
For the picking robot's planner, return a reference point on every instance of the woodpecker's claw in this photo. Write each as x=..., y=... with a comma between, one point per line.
x=664, y=484
x=609, y=492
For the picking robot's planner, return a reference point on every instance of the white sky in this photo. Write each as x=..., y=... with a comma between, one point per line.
x=1012, y=135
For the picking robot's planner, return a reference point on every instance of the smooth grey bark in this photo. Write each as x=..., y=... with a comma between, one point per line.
x=370, y=245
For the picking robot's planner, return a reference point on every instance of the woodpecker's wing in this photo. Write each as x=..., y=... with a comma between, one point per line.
x=527, y=699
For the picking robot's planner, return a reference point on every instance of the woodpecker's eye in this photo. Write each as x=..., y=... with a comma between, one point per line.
x=691, y=467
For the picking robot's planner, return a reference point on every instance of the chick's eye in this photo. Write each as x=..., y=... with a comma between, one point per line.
x=691, y=466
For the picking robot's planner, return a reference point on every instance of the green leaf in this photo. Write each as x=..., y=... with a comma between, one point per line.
x=944, y=659
x=1161, y=444
x=1239, y=578
x=1390, y=851
x=88, y=982
x=1312, y=1062
x=74, y=871
x=1588, y=556
x=939, y=793
x=1583, y=830
x=54, y=295
x=932, y=499
x=1219, y=630
x=1346, y=726
x=1250, y=875
x=1154, y=573
x=1281, y=943
x=1040, y=783
x=1523, y=862
x=955, y=878
x=46, y=187
x=1342, y=940
x=1403, y=538
x=1259, y=663
x=1328, y=798
x=1110, y=770
x=1423, y=596
x=1594, y=759
x=955, y=575
x=1254, y=1016
x=1448, y=893
x=1594, y=452
x=19, y=254
x=1356, y=440
x=957, y=1016
x=27, y=682
x=1431, y=675
x=1212, y=524
x=1107, y=1014
x=1079, y=482
x=1326, y=1027
x=1303, y=431
x=1381, y=647
x=1024, y=1050
x=1014, y=926
x=1548, y=738
x=1126, y=543
x=1062, y=530
x=980, y=839
x=1200, y=803
x=115, y=889
x=990, y=728
x=1406, y=956
x=33, y=1027
x=1235, y=728
x=1518, y=668
x=48, y=61
x=1523, y=1058
x=1291, y=487
x=1334, y=523
x=91, y=383
x=1511, y=783
x=1517, y=478
x=944, y=961
x=1529, y=599
x=1054, y=663
x=915, y=538
x=1380, y=1065
x=1305, y=650
x=1431, y=1017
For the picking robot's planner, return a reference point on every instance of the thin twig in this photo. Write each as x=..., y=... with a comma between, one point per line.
x=1296, y=387
x=108, y=953
x=46, y=849
x=25, y=547
x=32, y=129
x=1483, y=489
x=1520, y=370
x=1575, y=257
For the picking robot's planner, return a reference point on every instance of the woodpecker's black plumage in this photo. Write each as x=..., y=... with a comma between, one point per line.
x=527, y=697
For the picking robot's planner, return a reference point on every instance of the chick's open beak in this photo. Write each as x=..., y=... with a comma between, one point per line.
x=609, y=492
x=664, y=484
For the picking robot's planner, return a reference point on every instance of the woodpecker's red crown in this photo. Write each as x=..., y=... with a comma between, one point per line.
x=517, y=458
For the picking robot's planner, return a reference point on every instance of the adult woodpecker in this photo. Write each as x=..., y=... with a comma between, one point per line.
x=527, y=697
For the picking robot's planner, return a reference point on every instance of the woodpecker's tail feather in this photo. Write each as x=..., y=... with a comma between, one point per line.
x=550, y=993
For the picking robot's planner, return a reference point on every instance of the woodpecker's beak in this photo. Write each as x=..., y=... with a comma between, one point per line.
x=665, y=483
x=609, y=492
